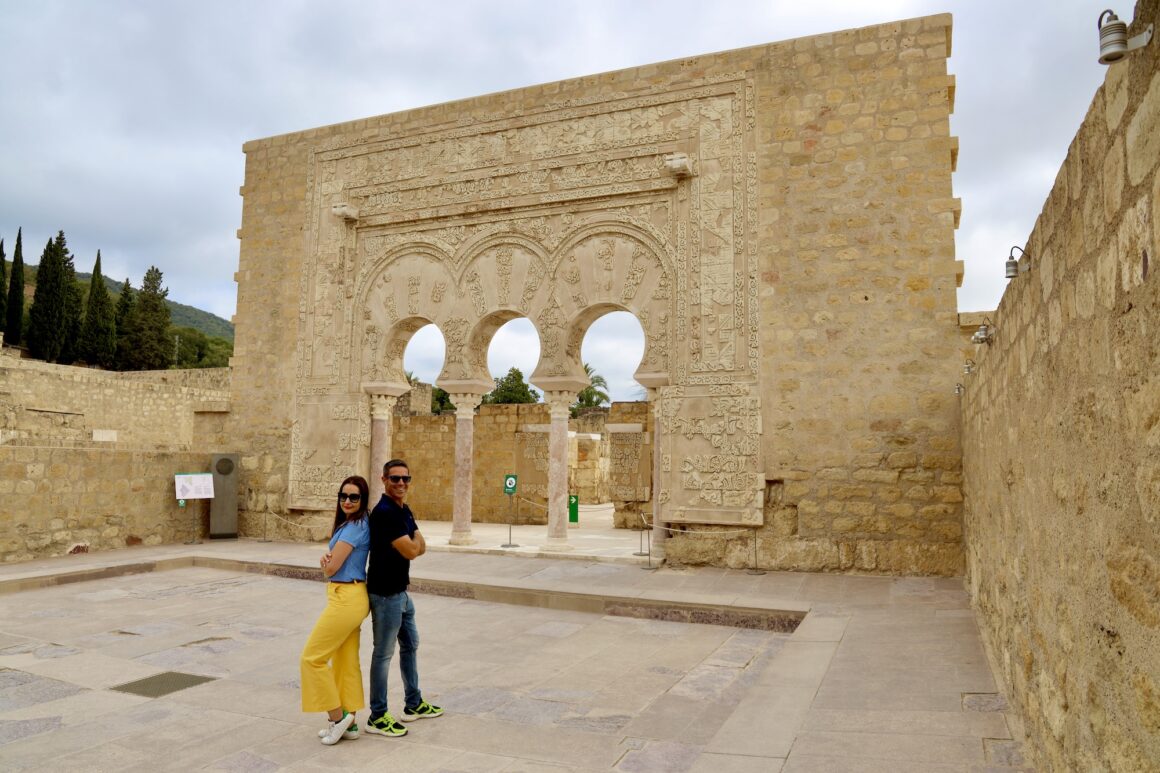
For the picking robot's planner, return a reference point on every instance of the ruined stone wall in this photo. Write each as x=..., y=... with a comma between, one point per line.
x=1061, y=437
x=779, y=218
x=89, y=497
x=45, y=401
x=87, y=457
x=507, y=439
x=859, y=337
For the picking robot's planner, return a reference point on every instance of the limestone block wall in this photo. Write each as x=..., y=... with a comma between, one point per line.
x=1061, y=439
x=266, y=328
x=45, y=401
x=507, y=439
x=60, y=499
x=859, y=337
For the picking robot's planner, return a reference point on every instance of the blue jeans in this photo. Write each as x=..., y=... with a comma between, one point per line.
x=393, y=617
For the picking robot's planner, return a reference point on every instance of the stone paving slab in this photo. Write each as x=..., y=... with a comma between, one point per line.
x=882, y=673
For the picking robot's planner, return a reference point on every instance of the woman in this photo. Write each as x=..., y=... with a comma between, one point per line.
x=337, y=687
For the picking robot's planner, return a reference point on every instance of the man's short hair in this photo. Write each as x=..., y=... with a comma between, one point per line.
x=395, y=463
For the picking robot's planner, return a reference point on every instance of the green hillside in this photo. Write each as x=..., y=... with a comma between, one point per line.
x=180, y=315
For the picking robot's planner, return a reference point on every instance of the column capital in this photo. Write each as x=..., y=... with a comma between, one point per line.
x=465, y=404
x=559, y=403
x=382, y=406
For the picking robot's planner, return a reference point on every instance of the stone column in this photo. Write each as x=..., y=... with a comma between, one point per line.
x=558, y=403
x=659, y=532
x=382, y=408
x=465, y=405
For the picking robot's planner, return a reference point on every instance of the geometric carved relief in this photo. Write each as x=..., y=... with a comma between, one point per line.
x=713, y=437
x=559, y=215
x=630, y=467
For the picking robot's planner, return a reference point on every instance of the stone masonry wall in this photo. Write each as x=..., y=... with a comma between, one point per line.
x=40, y=400
x=507, y=439
x=56, y=500
x=860, y=340
x=1061, y=437
x=87, y=457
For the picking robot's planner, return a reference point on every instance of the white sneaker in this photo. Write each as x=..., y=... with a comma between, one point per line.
x=350, y=734
x=337, y=730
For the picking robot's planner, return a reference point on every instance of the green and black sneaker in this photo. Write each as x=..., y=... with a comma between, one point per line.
x=385, y=725
x=422, y=711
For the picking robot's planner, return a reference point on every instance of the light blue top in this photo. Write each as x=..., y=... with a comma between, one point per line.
x=358, y=535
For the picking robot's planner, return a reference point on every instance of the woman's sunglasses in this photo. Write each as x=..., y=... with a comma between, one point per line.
x=354, y=498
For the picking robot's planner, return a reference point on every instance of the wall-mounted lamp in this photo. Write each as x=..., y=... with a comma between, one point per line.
x=968, y=367
x=1012, y=270
x=959, y=389
x=1114, y=43
x=984, y=334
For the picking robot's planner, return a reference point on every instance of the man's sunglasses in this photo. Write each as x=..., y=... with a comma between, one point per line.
x=354, y=498
x=399, y=478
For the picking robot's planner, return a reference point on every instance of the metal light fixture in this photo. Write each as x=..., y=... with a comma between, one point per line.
x=968, y=367
x=984, y=334
x=1114, y=42
x=959, y=389
x=1012, y=270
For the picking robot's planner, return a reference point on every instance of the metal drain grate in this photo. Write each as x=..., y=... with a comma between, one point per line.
x=162, y=684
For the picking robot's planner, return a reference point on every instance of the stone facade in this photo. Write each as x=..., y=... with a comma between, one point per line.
x=1061, y=436
x=779, y=219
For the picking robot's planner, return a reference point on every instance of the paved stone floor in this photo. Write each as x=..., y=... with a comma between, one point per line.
x=883, y=674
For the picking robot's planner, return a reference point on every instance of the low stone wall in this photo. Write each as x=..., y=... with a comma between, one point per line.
x=1061, y=440
x=512, y=439
x=48, y=402
x=56, y=500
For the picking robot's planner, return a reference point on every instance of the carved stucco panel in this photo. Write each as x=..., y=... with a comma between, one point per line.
x=712, y=435
x=325, y=440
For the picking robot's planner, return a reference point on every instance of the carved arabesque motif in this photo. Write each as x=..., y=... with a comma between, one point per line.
x=605, y=226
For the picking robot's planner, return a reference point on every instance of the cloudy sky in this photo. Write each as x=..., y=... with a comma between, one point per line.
x=121, y=123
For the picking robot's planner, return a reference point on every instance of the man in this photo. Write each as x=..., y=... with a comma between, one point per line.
x=395, y=542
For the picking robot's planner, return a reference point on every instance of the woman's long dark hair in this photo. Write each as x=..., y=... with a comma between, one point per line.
x=364, y=489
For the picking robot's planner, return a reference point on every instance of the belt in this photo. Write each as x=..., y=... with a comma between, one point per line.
x=347, y=582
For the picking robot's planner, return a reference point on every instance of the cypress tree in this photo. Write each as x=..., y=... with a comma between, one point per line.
x=147, y=327
x=121, y=325
x=3, y=283
x=74, y=301
x=46, y=315
x=14, y=321
x=98, y=341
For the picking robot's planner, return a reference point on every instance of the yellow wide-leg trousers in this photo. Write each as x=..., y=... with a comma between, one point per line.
x=331, y=676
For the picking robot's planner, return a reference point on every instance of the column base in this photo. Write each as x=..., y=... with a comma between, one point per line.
x=461, y=538
x=557, y=545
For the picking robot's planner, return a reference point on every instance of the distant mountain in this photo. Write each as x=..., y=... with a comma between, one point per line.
x=180, y=315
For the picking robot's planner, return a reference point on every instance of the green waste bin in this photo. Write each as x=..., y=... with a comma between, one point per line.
x=573, y=510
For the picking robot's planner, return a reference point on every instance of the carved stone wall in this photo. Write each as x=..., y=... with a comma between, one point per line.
x=778, y=218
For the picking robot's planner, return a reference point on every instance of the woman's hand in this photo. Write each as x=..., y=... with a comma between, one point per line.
x=322, y=562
